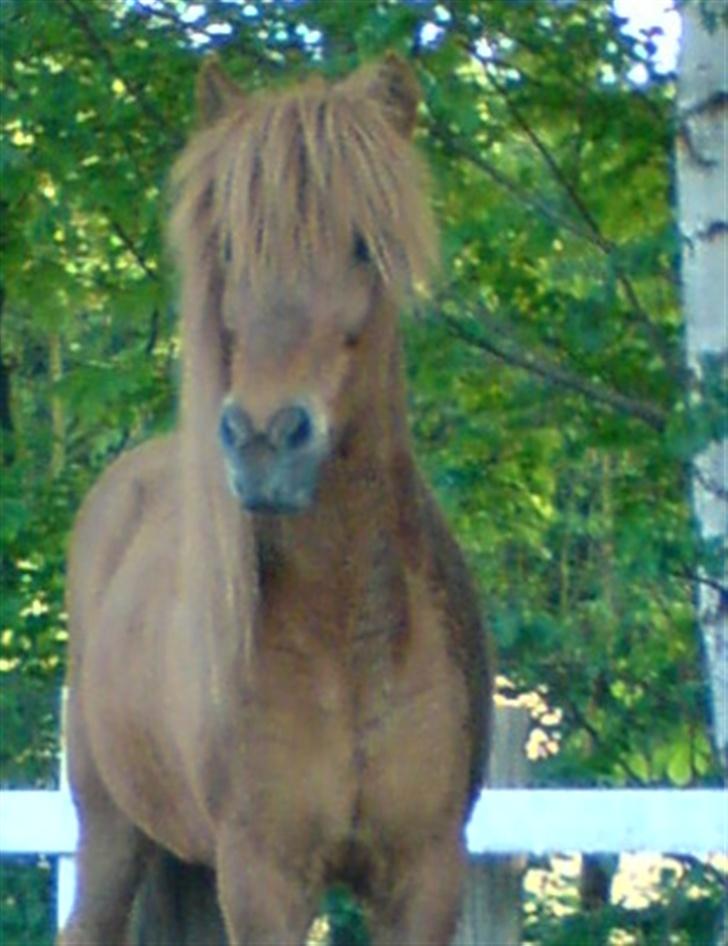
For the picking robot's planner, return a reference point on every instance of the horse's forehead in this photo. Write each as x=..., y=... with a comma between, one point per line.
x=277, y=326
x=282, y=317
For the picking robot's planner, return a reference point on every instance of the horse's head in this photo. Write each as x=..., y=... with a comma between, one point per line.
x=299, y=363
x=306, y=206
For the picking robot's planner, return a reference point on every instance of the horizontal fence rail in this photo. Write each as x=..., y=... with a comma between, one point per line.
x=37, y=822
x=591, y=821
x=505, y=821
x=508, y=819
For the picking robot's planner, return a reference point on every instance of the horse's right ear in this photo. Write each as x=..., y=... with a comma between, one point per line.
x=216, y=93
x=394, y=84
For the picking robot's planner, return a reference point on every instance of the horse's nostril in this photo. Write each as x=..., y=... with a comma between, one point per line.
x=236, y=428
x=291, y=428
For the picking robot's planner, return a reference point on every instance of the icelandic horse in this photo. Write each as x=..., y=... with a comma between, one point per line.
x=278, y=674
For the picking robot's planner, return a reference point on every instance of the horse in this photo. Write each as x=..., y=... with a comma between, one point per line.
x=279, y=679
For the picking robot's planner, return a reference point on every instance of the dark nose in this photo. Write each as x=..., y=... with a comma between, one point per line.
x=236, y=427
x=273, y=469
x=291, y=428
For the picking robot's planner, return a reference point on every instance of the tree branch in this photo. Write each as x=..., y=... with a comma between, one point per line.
x=153, y=332
x=131, y=247
x=712, y=486
x=7, y=427
x=696, y=863
x=607, y=246
x=592, y=231
x=457, y=146
x=554, y=373
x=83, y=22
x=692, y=577
x=581, y=720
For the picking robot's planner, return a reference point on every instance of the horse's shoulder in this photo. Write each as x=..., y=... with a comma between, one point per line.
x=135, y=491
x=128, y=483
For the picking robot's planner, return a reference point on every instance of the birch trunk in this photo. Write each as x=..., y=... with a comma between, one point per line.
x=701, y=166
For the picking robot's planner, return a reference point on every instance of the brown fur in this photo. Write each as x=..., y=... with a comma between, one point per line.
x=286, y=701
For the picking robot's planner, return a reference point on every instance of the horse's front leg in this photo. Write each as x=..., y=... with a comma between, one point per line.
x=422, y=902
x=264, y=902
x=111, y=852
x=111, y=855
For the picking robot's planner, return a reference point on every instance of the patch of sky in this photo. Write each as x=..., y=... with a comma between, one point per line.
x=657, y=26
x=308, y=36
x=218, y=29
x=431, y=34
x=193, y=12
x=484, y=49
x=433, y=30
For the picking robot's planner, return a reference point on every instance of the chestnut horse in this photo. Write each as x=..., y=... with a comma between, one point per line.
x=277, y=667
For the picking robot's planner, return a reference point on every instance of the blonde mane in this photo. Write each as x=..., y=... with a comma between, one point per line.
x=289, y=181
x=280, y=187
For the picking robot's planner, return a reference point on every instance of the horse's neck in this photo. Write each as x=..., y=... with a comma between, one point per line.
x=344, y=563
x=358, y=506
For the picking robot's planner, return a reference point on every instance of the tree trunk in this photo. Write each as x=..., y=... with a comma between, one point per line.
x=7, y=428
x=701, y=165
x=58, y=423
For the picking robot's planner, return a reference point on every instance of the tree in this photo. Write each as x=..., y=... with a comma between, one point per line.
x=702, y=176
x=702, y=173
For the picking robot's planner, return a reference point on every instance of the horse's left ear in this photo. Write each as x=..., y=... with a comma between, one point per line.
x=217, y=94
x=394, y=83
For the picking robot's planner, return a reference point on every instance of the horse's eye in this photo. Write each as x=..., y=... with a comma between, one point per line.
x=361, y=250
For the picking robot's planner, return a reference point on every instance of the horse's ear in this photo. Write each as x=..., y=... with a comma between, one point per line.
x=394, y=83
x=217, y=94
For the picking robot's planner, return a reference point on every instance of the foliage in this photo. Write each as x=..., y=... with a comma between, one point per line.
x=686, y=912
x=347, y=926
x=26, y=897
x=549, y=399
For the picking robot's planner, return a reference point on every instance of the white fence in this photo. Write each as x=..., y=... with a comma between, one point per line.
x=691, y=821
x=506, y=820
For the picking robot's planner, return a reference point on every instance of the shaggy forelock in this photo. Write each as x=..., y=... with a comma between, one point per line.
x=286, y=185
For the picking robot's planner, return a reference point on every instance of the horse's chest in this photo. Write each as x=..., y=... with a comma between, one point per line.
x=321, y=766
x=411, y=739
x=376, y=730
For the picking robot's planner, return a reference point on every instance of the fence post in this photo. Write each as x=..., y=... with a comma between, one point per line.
x=66, y=863
x=492, y=902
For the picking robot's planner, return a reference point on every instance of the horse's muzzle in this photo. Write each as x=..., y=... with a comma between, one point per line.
x=274, y=470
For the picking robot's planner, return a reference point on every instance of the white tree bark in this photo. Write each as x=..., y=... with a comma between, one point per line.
x=702, y=169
